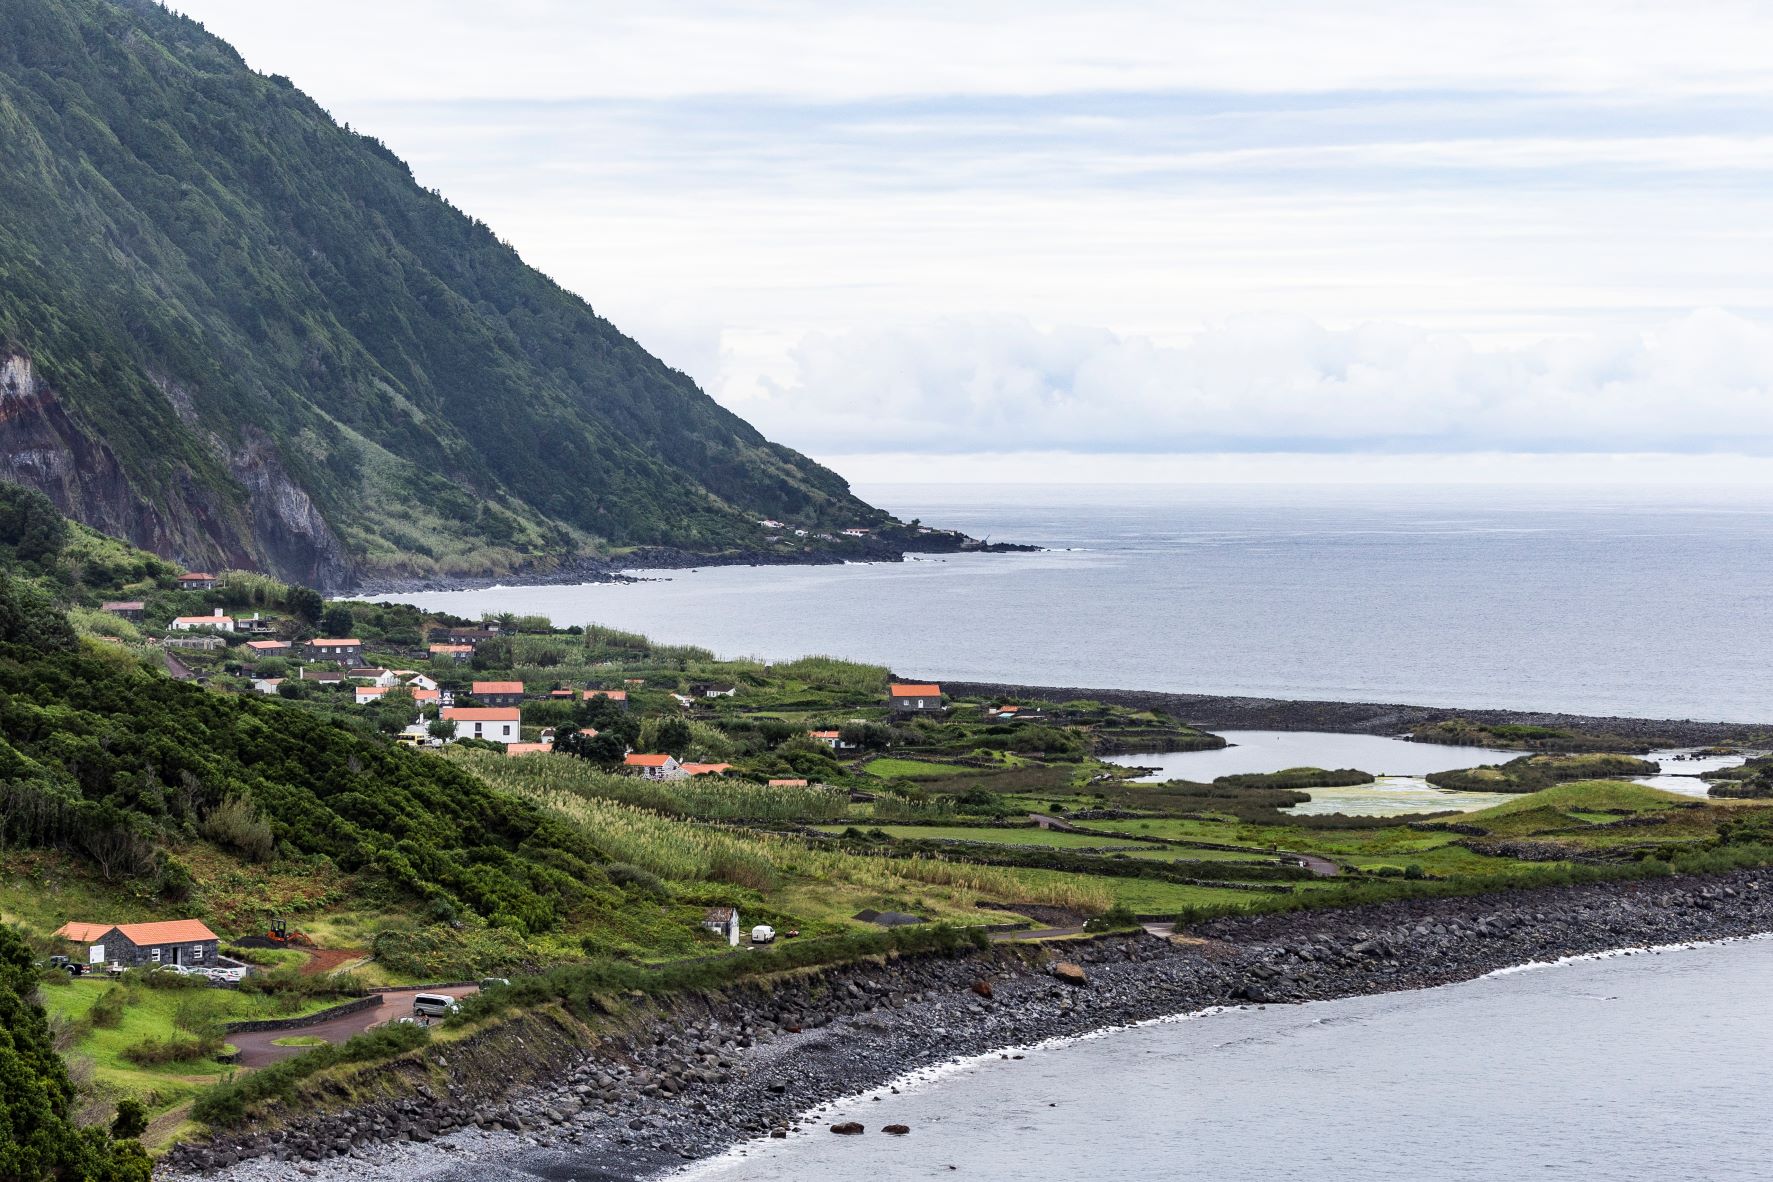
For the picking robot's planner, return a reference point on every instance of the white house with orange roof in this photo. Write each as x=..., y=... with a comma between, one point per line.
x=497, y=724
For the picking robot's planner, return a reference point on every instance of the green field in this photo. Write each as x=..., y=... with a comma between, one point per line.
x=919, y=769
x=1028, y=836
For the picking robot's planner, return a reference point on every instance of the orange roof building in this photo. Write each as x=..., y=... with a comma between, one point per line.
x=482, y=713
x=914, y=690
x=483, y=688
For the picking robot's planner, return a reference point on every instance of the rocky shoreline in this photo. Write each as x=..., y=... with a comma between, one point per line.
x=1231, y=712
x=709, y=1072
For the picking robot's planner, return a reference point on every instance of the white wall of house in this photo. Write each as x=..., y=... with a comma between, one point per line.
x=497, y=732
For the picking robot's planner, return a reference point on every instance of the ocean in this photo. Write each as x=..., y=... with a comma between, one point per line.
x=1650, y=602
x=1595, y=1070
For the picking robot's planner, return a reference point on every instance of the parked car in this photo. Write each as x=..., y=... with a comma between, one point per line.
x=763, y=933
x=72, y=967
x=435, y=1005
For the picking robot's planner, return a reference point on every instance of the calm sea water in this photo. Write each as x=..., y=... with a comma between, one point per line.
x=1599, y=1070
x=1654, y=602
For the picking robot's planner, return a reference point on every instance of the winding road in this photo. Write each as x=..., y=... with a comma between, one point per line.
x=260, y=1047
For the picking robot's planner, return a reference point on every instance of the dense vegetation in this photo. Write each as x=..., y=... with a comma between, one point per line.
x=1463, y=732
x=1530, y=773
x=229, y=297
x=38, y=1135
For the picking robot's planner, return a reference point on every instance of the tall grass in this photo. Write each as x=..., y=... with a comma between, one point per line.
x=689, y=852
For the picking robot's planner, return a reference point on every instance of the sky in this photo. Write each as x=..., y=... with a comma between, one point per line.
x=1171, y=241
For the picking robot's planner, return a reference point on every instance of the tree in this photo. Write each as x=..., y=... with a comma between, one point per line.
x=305, y=604
x=441, y=728
x=337, y=621
x=30, y=523
x=670, y=735
x=37, y=1099
x=131, y=1120
x=605, y=749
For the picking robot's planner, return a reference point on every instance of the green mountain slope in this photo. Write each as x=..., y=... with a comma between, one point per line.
x=236, y=333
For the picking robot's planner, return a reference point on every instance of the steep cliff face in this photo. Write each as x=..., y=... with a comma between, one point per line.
x=263, y=521
x=238, y=332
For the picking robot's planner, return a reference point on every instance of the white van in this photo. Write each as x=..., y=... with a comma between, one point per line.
x=435, y=1005
x=763, y=933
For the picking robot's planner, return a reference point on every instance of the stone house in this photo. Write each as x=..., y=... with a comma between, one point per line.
x=498, y=693
x=915, y=698
x=723, y=922
x=654, y=767
x=347, y=651
x=135, y=945
x=128, y=609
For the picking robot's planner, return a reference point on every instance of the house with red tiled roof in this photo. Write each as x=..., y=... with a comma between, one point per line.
x=707, y=769
x=134, y=945
x=654, y=767
x=498, y=724
x=198, y=580
x=451, y=652
x=529, y=748
x=787, y=783
x=365, y=694
x=909, y=697
x=345, y=651
x=268, y=648
x=619, y=697
x=498, y=693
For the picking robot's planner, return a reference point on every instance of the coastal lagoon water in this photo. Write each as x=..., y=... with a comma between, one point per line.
x=1597, y=1070
x=1647, y=602
x=1399, y=764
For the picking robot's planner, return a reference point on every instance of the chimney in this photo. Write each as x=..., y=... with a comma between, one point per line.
x=218, y=613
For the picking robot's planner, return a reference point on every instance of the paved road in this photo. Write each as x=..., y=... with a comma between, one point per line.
x=260, y=1048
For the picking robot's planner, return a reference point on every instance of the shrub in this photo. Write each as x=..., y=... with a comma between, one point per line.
x=151, y=1052
x=230, y=1102
x=131, y=1120
x=107, y=1012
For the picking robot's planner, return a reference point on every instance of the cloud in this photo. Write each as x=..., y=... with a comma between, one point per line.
x=1701, y=382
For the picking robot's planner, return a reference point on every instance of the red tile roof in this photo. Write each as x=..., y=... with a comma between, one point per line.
x=612, y=695
x=266, y=646
x=528, y=748
x=914, y=690
x=336, y=643
x=638, y=760
x=84, y=933
x=452, y=648
x=193, y=576
x=171, y=931
x=203, y=619
x=498, y=687
x=482, y=713
x=787, y=784
x=707, y=769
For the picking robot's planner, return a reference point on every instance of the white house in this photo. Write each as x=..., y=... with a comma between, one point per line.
x=723, y=922
x=217, y=621
x=416, y=680
x=499, y=724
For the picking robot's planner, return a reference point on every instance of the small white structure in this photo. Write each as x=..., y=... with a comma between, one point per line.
x=217, y=621
x=267, y=685
x=498, y=724
x=723, y=922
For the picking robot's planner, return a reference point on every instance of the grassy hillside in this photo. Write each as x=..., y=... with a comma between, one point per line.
x=239, y=334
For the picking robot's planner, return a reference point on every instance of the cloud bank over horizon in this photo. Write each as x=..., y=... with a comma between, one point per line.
x=1376, y=228
x=1699, y=383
